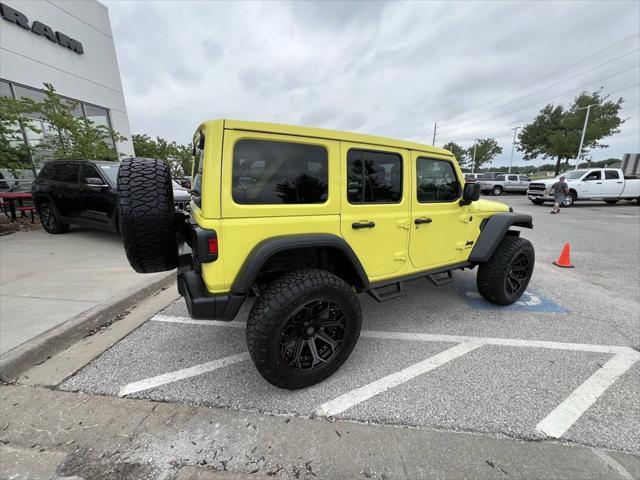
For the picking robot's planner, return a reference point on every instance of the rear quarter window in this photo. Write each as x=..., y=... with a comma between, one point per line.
x=267, y=172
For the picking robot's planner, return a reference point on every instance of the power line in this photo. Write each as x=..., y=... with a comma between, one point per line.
x=550, y=74
x=544, y=101
x=522, y=120
x=545, y=88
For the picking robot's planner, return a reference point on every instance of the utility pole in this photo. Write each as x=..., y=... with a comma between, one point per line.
x=435, y=129
x=513, y=147
x=584, y=130
x=473, y=162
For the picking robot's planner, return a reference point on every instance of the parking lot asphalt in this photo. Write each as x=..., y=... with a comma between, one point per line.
x=561, y=364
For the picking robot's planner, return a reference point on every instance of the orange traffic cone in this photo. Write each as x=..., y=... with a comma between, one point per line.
x=563, y=260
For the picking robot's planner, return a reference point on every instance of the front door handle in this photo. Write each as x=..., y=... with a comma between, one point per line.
x=421, y=220
x=599, y=183
x=365, y=224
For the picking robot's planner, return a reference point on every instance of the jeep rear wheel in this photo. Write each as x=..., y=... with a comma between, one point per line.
x=506, y=276
x=303, y=327
x=147, y=215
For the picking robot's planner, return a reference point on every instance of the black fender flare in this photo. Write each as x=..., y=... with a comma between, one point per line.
x=494, y=231
x=267, y=248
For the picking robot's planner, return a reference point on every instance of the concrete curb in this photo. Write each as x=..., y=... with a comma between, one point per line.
x=45, y=345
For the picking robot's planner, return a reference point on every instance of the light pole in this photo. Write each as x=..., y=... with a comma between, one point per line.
x=513, y=147
x=584, y=130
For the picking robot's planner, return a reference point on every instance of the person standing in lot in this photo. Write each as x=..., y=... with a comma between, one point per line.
x=559, y=189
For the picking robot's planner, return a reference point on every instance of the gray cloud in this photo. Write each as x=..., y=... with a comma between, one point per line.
x=386, y=68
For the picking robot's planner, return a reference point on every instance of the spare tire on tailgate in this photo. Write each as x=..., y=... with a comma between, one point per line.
x=147, y=215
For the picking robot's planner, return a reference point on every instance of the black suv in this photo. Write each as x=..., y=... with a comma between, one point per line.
x=83, y=192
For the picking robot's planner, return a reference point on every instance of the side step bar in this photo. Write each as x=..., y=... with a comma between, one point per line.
x=396, y=290
x=388, y=292
x=442, y=278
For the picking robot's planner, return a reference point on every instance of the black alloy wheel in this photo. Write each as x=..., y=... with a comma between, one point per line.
x=505, y=277
x=303, y=327
x=517, y=274
x=313, y=335
x=50, y=221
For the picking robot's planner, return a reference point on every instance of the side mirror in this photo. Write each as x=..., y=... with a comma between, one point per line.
x=471, y=193
x=95, y=182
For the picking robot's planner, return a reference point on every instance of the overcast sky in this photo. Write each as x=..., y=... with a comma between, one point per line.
x=477, y=68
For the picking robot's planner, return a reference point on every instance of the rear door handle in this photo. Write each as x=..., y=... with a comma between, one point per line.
x=421, y=220
x=357, y=225
x=599, y=183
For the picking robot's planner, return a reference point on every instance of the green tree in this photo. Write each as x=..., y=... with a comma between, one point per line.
x=178, y=157
x=556, y=130
x=486, y=149
x=69, y=136
x=14, y=153
x=460, y=153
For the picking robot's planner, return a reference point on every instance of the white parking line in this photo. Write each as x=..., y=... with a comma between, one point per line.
x=565, y=415
x=554, y=425
x=174, y=376
x=349, y=399
x=429, y=337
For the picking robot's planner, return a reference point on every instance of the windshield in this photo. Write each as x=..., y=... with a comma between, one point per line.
x=572, y=175
x=111, y=172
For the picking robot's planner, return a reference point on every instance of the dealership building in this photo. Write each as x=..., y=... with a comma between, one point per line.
x=68, y=44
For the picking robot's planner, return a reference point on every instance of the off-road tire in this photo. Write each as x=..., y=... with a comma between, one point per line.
x=147, y=215
x=492, y=276
x=277, y=302
x=537, y=201
x=496, y=191
x=50, y=220
x=611, y=202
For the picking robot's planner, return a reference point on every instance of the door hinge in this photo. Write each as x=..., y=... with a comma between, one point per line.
x=400, y=257
x=464, y=245
x=403, y=224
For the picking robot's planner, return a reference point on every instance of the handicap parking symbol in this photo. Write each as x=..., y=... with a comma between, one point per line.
x=531, y=301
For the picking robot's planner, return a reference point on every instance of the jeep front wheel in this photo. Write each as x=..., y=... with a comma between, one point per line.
x=147, y=215
x=303, y=327
x=506, y=276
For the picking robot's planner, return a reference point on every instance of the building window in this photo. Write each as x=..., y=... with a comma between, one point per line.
x=98, y=115
x=5, y=89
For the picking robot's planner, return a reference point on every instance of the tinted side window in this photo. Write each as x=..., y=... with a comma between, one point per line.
x=513, y=178
x=47, y=172
x=500, y=178
x=593, y=176
x=437, y=181
x=525, y=179
x=65, y=172
x=270, y=172
x=88, y=171
x=611, y=175
x=198, y=161
x=374, y=177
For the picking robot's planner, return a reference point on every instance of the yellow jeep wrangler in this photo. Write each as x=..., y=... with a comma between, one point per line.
x=305, y=219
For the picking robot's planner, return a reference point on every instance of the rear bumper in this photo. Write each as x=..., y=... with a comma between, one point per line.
x=205, y=305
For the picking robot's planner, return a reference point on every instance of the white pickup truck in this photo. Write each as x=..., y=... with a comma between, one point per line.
x=608, y=184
